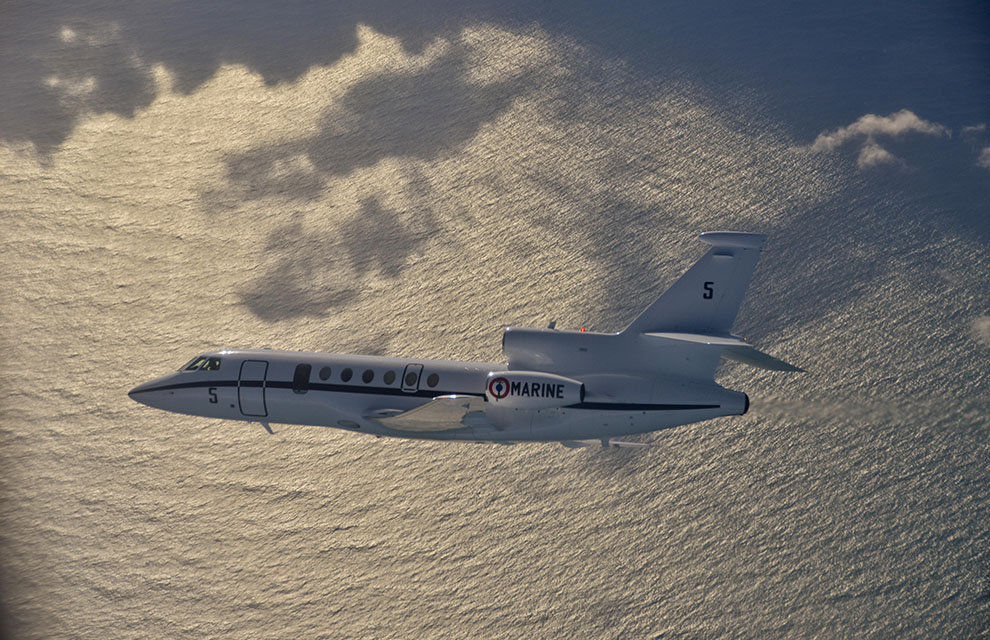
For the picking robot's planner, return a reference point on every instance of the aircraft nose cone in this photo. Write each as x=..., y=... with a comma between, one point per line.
x=146, y=392
x=136, y=392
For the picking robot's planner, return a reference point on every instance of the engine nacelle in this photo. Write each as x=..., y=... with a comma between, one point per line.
x=532, y=390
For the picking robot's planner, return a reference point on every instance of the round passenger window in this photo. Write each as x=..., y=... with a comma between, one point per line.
x=411, y=379
x=324, y=373
x=389, y=377
x=346, y=374
x=433, y=380
x=368, y=376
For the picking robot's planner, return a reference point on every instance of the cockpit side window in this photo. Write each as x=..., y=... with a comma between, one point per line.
x=195, y=363
x=202, y=363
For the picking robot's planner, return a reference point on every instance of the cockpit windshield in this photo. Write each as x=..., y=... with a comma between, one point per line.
x=202, y=363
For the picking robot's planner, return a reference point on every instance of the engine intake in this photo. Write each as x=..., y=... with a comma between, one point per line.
x=532, y=390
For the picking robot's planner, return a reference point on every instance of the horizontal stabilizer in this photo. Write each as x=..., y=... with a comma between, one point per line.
x=732, y=348
x=756, y=358
x=733, y=239
x=443, y=413
x=605, y=443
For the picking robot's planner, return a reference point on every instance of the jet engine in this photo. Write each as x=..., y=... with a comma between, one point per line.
x=532, y=390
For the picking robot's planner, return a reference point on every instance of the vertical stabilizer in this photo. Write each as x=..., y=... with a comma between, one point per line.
x=707, y=298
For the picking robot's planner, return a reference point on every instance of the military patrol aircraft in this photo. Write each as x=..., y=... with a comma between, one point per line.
x=574, y=387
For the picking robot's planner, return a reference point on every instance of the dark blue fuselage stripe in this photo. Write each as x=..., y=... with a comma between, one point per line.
x=631, y=406
x=389, y=391
x=313, y=386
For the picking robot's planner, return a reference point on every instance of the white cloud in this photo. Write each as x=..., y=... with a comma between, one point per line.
x=872, y=155
x=869, y=128
x=984, y=159
x=974, y=129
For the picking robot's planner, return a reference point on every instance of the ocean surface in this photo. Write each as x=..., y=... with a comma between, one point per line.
x=408, y=178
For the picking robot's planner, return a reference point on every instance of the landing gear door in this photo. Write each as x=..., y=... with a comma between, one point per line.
x=410, y=378
x=251, y=388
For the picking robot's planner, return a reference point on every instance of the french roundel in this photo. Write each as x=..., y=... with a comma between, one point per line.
x=498, y=388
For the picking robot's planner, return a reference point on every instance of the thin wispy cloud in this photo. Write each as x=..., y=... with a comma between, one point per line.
x=869, y=129
x=975, y=137
x=981, y=326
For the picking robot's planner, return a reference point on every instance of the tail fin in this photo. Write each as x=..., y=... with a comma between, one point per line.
x=707, y=298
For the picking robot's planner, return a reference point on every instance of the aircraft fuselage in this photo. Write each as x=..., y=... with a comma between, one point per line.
x=567, y=386
x=329, y=390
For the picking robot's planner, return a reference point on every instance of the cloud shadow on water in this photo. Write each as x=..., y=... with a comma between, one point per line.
x=297, y=282
x=423, y=114
x=313, y=273
x=94, y=57
x=823, y=64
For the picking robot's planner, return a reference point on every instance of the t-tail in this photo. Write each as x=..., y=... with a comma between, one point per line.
x=700, y=308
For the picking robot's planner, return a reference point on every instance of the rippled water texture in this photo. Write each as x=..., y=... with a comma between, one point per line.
x=406, y=180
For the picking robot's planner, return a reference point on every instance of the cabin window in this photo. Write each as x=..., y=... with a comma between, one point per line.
x=389, y=377
x=325, y=373
x=346, y=374
x=411, y=379
x=433, y=380
x=300, y=381
x=368, y=376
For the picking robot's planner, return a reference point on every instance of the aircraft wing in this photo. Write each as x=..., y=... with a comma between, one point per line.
x=443, y=413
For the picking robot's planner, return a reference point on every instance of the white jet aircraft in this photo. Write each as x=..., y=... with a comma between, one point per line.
x=574, y=387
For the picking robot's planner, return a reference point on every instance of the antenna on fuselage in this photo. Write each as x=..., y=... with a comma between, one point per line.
x=552, y=325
